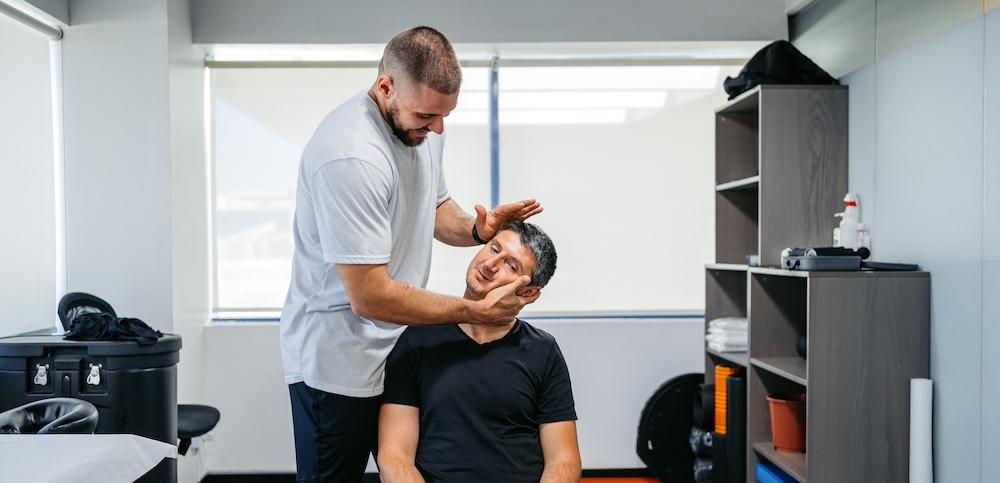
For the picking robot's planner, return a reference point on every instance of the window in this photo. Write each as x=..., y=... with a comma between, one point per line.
x=631, y=147
x=28, y=245
x=261, y=120
x=619, y=156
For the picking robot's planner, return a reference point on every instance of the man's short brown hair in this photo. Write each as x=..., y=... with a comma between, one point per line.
x=422, y=55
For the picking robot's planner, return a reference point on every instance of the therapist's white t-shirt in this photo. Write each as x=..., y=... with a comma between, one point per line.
x=363, y=197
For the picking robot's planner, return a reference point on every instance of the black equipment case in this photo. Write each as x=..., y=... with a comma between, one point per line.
x=134, y=387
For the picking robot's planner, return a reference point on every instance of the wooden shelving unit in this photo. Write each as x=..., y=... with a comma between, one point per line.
x=740, y=184
x=781, y=172
x=868, y=334
x=738, y=358
x=791, y=368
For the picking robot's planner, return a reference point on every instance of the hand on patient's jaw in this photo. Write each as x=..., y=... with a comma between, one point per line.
x=502, y=304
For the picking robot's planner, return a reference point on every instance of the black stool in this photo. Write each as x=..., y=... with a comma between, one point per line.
x=194, y=420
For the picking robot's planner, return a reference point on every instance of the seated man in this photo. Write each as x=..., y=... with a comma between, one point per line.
x=476, y=403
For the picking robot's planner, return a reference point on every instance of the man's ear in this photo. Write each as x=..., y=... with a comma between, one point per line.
x=528, y=291
x=385, y=85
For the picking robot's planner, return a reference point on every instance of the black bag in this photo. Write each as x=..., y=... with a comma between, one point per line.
x=90, y=318
x=778, y=63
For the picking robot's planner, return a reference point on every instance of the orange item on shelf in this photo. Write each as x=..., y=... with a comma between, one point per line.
x=788, y=422
x=721, y=373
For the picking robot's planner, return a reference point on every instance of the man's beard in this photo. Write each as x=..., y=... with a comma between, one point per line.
x=393, y=111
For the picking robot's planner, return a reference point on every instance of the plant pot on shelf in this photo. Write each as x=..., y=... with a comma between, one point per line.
x=788, y=422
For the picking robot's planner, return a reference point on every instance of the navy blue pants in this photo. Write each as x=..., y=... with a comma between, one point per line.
x=334, y=434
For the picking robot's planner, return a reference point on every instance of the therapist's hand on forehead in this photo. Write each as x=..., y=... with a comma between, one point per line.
x=489, y=222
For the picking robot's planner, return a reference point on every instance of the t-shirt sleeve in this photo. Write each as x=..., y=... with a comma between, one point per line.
x=555, y=403
x=351, y=201
x=402, y=373
x=441, y=185
x=442, y=189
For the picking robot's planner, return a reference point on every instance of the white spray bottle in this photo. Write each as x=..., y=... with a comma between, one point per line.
x=849, y=233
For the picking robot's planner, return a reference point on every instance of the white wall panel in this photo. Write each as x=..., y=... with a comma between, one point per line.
x=861, y=142
x=928, y=208
x=903, y=23
x=117, y=147
x=991, y=252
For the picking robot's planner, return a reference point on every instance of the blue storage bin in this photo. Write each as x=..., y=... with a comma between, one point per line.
x=768, y=473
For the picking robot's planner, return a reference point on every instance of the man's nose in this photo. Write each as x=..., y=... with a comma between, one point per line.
x=437, y=125
x=494, y=263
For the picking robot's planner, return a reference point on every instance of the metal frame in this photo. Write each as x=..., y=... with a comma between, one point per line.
x=494, y=133
x=58, y=175
x=208, y=113
x=52, y=32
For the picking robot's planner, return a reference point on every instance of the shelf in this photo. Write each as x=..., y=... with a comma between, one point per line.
x=791, y=368
x=729, y=267
x=781, y=272
x=738, y=358
x=745, y=102
x=792, y=463
x=740, y=184
x=750, y=100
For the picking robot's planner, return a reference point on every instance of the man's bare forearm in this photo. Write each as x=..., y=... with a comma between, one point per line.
x=453, y=226
x=373, y=294
x=402, y=303
x=561, y=472
x=393, y=471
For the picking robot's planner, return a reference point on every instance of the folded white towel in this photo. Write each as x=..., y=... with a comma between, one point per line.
x=727, y=347
x=727, y=338
x=716, y=330
x=729, y=323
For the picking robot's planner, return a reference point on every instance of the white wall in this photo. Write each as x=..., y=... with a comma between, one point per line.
x=190, y=261
x=321, y=21
x=925, y=160
x=136, y=175
x=117, y=146
x=27, y=203
x=615, y=366
x=191, y=274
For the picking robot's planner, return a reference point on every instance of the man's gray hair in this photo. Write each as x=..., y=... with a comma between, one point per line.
x=540, y=245
x=422, y=55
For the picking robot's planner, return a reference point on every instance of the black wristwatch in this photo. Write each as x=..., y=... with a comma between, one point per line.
x=475, y=235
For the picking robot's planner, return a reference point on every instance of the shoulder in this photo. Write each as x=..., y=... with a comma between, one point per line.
x=351, y=131
x=530, y=332
x=422, y=337
x=538, y=342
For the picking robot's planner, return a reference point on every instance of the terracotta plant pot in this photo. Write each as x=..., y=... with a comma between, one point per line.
x=788, y=422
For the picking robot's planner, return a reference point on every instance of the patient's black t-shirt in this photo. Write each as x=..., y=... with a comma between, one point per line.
x=480, y=404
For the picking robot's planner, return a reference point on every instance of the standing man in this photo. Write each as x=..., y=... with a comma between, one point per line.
x=371, y=196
